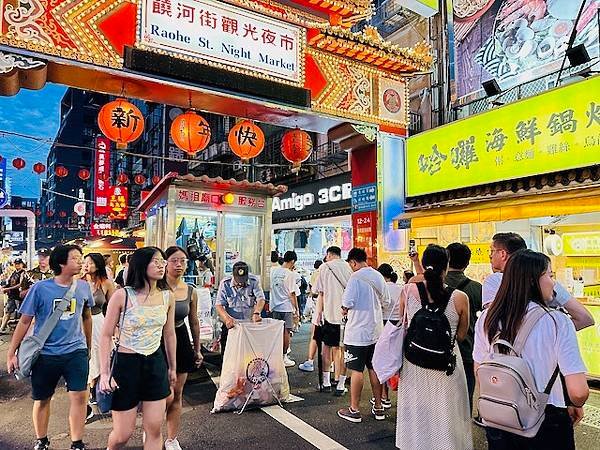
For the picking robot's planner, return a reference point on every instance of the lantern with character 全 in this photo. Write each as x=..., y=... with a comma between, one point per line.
x=190, y=132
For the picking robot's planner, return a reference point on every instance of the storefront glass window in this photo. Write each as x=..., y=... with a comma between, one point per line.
x=242, y=239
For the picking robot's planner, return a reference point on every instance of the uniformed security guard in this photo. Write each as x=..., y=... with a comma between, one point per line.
x=239, y=297
x=39, y=273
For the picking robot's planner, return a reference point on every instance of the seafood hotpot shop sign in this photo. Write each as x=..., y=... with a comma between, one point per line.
x=223, y=36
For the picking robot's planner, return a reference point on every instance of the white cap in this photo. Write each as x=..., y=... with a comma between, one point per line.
x=490, y=288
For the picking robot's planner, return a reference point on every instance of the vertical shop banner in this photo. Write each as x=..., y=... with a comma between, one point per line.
x=364, y=230
x=364, y=198
x=515, y=42
x=2, y=173
x=392, y=190
x=102, y=175
x=143, y=195
x=117, y=202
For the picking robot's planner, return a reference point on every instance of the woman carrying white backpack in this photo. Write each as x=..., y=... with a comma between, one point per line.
x=520, y=342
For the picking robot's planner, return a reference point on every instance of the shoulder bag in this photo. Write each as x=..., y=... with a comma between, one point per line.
x=31, y=347
x=104, y=399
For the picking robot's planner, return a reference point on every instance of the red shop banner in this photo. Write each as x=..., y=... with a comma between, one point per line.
x=118, y=200
x=102, y=175
x=364, y=229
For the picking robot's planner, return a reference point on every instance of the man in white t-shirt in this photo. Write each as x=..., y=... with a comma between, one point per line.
x=503, y=246
x=283, y=299
x=362, y=301
x=333, y=279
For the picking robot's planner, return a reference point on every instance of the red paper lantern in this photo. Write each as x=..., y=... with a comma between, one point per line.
x=18, y=163
x=190, y=132
x=84, y=174
x=155, y=179
x=121, y=122
x=139, y=179
x=39, y=168
x=61, y=171
x=296, y=147
x=49, y=213
x=122, y=178
x=38, y=212
x=62, y=214
x=246, y=140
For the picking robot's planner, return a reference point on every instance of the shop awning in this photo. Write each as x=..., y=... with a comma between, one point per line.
x=575, y=201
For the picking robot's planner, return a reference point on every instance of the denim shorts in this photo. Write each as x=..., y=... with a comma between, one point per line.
x=48, y=369
x=287, y=317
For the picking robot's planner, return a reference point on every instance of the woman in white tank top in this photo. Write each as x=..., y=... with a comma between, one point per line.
x=145, y=312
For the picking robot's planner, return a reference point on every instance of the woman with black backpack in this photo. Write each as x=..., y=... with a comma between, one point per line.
x=433, y=406
x=524, y=328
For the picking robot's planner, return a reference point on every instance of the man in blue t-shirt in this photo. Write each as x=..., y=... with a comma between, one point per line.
x=65, y=352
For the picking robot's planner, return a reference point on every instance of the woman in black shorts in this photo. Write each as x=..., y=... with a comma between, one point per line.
x=188, y=357
x=145, y=313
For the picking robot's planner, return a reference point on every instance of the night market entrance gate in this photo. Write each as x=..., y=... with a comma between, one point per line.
x=297, y=67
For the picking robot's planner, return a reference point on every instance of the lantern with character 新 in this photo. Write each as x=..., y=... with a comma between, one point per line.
x=246, y=140
x=190, y=132
x=18, y=163
x=61, y=171
x=84, y=174
x=296, y=147
x=39, y=168
x=121, y=122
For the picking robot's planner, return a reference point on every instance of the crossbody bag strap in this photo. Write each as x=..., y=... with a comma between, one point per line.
x=118, y=341
x=335, y=276
x=51, y=322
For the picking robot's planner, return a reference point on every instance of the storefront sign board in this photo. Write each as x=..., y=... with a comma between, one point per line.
x=314, y=197
x=581, y=244
x=215, y=199
x=557, y=130
x=364, y=198
x=225, y=36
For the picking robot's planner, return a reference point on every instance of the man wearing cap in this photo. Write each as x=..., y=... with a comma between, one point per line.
x=239, y=297
x=12, y=291
x=39, y=273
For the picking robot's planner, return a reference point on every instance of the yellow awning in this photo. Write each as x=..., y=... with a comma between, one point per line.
x=575, y=201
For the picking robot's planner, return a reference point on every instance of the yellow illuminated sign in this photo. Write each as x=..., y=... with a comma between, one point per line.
x=581, y=244
x=554, y=131
x=589, y=343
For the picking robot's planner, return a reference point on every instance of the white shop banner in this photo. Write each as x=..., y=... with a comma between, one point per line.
x=223, y=35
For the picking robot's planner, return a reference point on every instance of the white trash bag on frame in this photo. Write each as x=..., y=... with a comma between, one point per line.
x=253, y=373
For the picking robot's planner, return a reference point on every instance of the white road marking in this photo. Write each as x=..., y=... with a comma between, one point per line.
x=295, y=424
x=302, y=429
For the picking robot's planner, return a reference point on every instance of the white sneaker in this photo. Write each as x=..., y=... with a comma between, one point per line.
x=172, y=444
x=288, y=362
x=307, y=366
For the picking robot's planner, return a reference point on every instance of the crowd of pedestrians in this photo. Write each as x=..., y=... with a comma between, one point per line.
x=133, y=341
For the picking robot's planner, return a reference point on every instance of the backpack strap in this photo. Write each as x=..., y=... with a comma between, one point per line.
x=529, y=322
x=463, y=284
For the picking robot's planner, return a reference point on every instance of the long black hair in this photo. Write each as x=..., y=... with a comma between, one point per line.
x=174, y=249
x=100, y=275
x=520, y=285
x=435, y=263
x=137, y=276
x=388, y=272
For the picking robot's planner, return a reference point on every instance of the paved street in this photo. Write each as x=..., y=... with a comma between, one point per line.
x=305, y=424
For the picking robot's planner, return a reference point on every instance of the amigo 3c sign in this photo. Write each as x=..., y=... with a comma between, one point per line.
x=223, y=36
